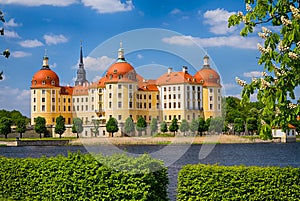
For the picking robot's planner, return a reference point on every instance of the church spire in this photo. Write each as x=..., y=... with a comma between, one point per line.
x=81, y=74
x=121, y=57
x=45, y=61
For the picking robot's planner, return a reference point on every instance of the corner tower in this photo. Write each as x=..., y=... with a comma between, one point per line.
x=81, y=74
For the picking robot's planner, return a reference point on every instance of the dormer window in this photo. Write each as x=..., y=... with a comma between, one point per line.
x=48, y=77
x=120, y=77
x=43, y=82
x=53, y=82
x=34, y=82
x=211, y=76
x=110, y=77
x=115, y=71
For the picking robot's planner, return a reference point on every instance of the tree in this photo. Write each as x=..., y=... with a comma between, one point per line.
x=194, y=127
x=279, y=58
x=184, y=126
x=21, y=125
x=207, y=124
x=129, y=126
x=174, y=126
x=153, y=125
x=60, y=127
x=5, y=126
x=163, y=127
x=77, y=126
x=251, y=123
x=217, y=124
x=40, y=125
x=239, y=125
x=6, y=52
x=112, y=126
x=141, y=124
x=265, y=132
x=96, y=126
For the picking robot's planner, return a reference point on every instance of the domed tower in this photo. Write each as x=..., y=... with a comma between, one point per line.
x=48, y=98
x=211, y=89
x=120, y=88
x=81, y=74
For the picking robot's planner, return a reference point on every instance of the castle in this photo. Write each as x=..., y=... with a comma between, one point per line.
x=122, y=93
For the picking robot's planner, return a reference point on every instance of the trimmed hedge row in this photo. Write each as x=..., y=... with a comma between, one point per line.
x=81, y=177
x=213, y=182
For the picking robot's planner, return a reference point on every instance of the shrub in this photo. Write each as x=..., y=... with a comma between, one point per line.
x=82, y=177
x=213, y=182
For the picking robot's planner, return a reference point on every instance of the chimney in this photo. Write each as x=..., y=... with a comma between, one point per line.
x=184, y=69
x=169, y=70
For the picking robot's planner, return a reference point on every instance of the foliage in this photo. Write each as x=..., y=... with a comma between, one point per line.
x=163, y=135
x=6, y=52
x=239, y=125
x=77, y=126
x=21, y=125
x=153, y=125
x=82, y=177
x=60, y=127
x=194, y=126
x=251, y=123
x=141, y=124
x=174, y=125
x=5, y=126
x=163, y=127
x=40, y=125
x=213, y=182
x=129, y=125
x=112, y=126
x=14, y=115
x=96, y=126
x=279, y=57
x=184, y=126
x=265, y=132
x=217, y=124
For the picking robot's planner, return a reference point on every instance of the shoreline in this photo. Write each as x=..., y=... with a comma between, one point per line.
x=211, y=139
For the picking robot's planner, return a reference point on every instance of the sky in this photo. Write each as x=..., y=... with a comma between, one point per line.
x=155, y=35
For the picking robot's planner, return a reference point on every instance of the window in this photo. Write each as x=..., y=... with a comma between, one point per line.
x=77, y=107
x=64, y=108
x=188, y=88
x=53, y=100
x=179, y=117
x=43, y=91
x=109, y=86
x=170, y=105
x=149, y=97
x=165, y=117
x=174, y=96
x=179, y=106
x=130, y=86
x=120, y=77
x=170, y=117
x=145, y=105
x=130, y=104
x=165, y=97
x=53, y=120
x=219, y=106
x=219, y=98
x=34, y=100
x=92, y=99
x=165, y=105
x=34, y=108
x=188, y=117
x=119, y=95
x=119, y=104
x=53, y=91
x=157, y=97
x=77, y=100
x=145, y=97
x=130, y=95
x=170, y=96
x=193, y=87
x=43, y=108
x=119, y=117
x=174, y=105
x=149, y=105
x=210, y=90
x=86, y=108
x=210, y=98
x=43, y=82
x=109, y=95
x=219, y=90
x=157, y=105
x=43, y=100
x=86, y=99
x=109, y=104
x=53, y=82
x=178, y=88
x=64, y=100
x=165, y=88
x=179, y=96
x=33, y=91
x=119, y=86
x=82, y=100
x=82, y=108
x=169, y=88
x=92, y=107
x=110, y=77
x=174, y=88
x=210, y=106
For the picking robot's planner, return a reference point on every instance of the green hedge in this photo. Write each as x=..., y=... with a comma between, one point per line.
x=81, y=177
x=213, y=182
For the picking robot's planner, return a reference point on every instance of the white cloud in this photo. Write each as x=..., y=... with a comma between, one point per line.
x=229, y=41
x=31, y=43
x=252, y=74
x=99, y=64
x=228, y=86
x=15, y=99
x=54, y=65
x=109, y=6
x=139, y=56
x=55, y=39
x=12, y=23
x=218, y=20
x=11, y=34
x=40, y=3
x=175, y=11
x=19, y=54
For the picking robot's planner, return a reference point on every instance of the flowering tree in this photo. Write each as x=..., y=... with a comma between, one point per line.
x=279, y=57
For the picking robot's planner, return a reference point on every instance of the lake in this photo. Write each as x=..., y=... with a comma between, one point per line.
x=260, y=154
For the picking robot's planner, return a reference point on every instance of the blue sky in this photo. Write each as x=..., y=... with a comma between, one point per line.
x=155, y=35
